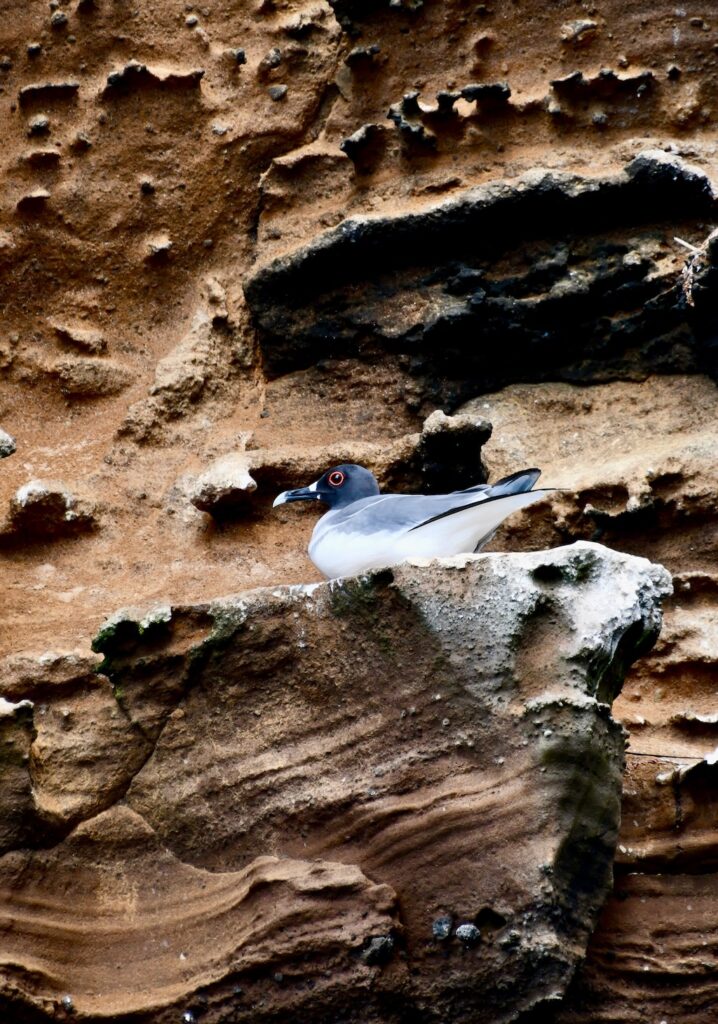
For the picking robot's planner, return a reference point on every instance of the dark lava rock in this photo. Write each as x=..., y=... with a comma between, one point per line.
x=379, y=950
x=441, y=928
x=496, y=92
x=362, y=55
x=469, y=934
x=360, y=147
x=585, y=293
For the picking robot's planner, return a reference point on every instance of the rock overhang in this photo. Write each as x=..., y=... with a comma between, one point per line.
x=600, y=297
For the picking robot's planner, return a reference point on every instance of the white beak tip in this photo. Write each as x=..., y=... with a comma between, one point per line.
x=280, y=499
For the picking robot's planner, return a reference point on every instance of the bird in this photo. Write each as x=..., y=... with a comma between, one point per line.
x=365, y=529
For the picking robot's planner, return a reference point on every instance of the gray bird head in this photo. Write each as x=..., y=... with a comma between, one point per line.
x=340, y=486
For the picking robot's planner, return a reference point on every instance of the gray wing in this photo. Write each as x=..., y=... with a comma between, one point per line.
x=393, y=512
x=399, y=512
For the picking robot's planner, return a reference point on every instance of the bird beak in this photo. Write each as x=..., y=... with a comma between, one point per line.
x=301, y=494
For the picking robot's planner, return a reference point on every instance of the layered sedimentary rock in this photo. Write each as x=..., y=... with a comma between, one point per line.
x=638, y=465
x=394, y=795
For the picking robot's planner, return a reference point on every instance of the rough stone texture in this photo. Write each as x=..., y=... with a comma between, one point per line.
x=226, y=485
x=7, y=444
x=90, y=378
x=658, y=925
x=85, y=339
x=187, y=928
x=47, y=508
x=16, y=803
x=148, y=175
x=332, y=769
x=599, y=297
x=446, y=450
x=647, y=489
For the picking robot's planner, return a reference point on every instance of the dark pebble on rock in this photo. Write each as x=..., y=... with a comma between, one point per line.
x=59, y=19
x=361, y=54
x=277, y=92
x=441, y=928
x=379, y=950
x=7, y=445
x=485, y=91
x=469, y=934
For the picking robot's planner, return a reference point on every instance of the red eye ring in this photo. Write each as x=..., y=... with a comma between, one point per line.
x=337, y=478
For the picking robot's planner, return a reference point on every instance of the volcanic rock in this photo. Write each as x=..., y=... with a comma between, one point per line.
x=86, y=339
x=462, y=701
x=17, y=812
x=7, y=444
x=225, y=486
x=91, y=378
x=573, y=305
x=316, y=302
x=47, y=508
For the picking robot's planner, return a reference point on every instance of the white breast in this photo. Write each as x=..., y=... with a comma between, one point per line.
x=345, y=554
x=337, y=552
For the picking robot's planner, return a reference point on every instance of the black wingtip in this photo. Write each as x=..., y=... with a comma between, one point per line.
x=516, y=483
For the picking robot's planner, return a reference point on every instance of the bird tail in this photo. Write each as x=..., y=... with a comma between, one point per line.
x=516, y=483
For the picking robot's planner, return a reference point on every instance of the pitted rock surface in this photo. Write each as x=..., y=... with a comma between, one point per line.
x=149, y=178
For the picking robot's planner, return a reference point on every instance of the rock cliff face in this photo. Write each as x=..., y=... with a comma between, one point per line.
x=394, y=796
x=239, y=243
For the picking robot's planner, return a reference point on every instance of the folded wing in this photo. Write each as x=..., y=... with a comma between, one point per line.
x=466, y=528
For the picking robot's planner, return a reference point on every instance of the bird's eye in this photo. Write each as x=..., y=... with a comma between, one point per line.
x=337, y=478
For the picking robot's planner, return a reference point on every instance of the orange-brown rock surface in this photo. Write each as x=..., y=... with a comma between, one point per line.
x=242, y=241
x=397, y=794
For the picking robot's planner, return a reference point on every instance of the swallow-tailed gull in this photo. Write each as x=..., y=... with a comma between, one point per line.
x=365, y=529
